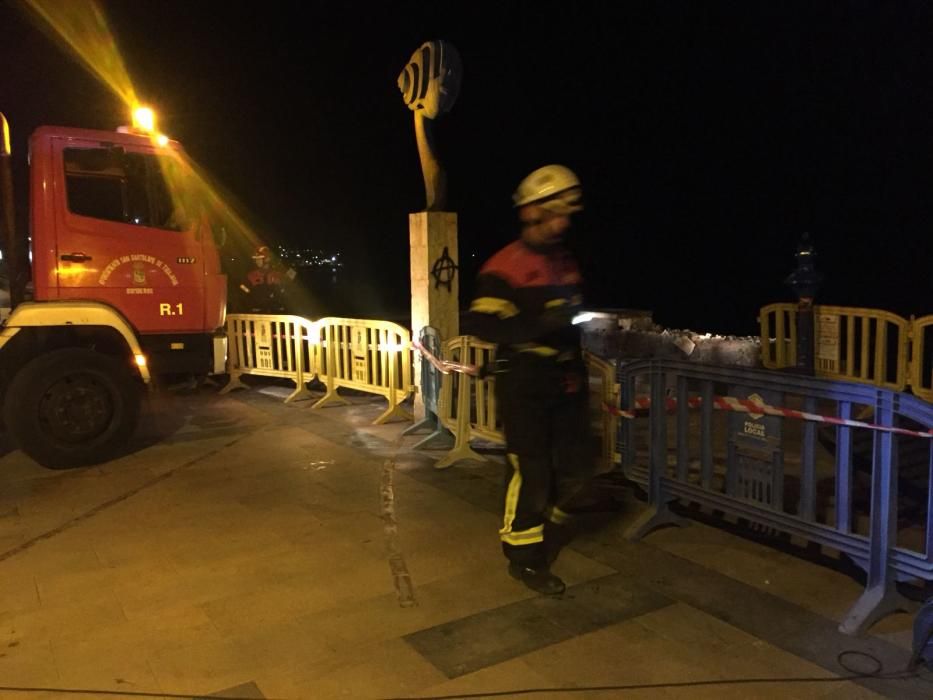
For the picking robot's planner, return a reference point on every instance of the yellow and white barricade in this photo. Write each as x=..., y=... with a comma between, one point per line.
x=921, y=359
x=603, y=394
x=853, y=344
x=365, y=355
x=268, y=345
x=467, y=404
x=360, y=354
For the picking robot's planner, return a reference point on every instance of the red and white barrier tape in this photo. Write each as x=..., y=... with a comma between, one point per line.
x=445, y=366
x=731, y=403
x=722, y=403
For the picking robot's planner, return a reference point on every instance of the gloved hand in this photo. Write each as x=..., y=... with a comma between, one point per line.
x=557, y=318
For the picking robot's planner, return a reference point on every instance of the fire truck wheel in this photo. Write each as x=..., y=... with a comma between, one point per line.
x=72, y=407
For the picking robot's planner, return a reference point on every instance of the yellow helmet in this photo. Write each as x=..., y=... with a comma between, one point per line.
x=553, y=187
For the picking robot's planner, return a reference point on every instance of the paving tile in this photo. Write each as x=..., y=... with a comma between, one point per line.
x=170, y=628
x=771, y=619
x=191, y=586
x=68, y=621
x=441, y=600
x=297, y=596
x=98, y=662
x=285, y=645
x=244, y=691
x=201, y=669
x=821, y=589
x=685, y=668
x=65, y=586
x=380, y=670
x=27, y=662
x=488, y=638
x=849, y=691
x=18, y=594
x=512, y=676
x=687, y=625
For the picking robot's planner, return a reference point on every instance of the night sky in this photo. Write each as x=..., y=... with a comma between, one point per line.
x=709, y=136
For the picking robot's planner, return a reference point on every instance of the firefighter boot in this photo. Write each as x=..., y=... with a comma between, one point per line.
x=540, y=580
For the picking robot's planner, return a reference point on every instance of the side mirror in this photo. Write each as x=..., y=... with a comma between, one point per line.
x=220, y=234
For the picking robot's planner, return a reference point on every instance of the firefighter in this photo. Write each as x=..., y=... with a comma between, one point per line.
x=527, y=295
x=264, y=288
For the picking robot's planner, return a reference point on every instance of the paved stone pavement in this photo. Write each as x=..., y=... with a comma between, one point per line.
x=252, y=549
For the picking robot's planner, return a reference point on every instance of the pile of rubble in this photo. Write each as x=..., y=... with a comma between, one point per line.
x=627, y=334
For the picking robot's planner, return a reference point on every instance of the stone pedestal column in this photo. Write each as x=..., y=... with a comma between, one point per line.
x=435, y=280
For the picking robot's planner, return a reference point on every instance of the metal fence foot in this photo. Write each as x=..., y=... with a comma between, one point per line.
x=330, y=397
x=233, y=383
x=301, y=393
x=439, y=439
x=457, y=454
x=429, y=423
x=391, y=412
x=657, y=516
x=875, y=603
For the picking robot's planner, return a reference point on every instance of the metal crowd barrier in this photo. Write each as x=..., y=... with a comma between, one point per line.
x=467, y=404
x=921, y=359
x=604, y=393
x=770, y=470
x=371, y=356
x=269, y=346
x=360, y=354
x=456, y=409
x=853, y=344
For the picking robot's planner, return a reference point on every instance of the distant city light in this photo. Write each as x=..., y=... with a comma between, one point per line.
x=309, y=257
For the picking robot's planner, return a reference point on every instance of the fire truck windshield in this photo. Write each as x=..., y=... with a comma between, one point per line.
x=129, y=187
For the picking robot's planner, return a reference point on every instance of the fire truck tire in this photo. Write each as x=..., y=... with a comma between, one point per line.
x=72, y=407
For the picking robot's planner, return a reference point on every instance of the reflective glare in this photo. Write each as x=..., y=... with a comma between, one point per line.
x=82, y=27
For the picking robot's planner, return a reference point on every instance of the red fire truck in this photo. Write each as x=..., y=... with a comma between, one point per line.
x=126, y=286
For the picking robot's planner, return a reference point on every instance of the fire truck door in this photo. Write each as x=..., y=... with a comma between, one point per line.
x=126, y=236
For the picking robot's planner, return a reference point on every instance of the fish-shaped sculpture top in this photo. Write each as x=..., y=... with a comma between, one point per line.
x=430, y=83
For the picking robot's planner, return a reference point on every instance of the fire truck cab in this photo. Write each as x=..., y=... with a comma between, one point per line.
x=127, y=287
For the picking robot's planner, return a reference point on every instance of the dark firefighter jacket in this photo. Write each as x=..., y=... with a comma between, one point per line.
x=525, y=300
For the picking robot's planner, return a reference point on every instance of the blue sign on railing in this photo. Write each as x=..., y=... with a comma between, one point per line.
x=755, y=460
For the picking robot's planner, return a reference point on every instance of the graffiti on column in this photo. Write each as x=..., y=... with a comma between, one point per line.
x=443, y=270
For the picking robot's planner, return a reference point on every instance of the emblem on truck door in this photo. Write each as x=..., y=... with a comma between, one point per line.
x=139, y=273
x=142, y=260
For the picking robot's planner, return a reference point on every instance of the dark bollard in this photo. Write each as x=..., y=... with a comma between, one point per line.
x=805, y=282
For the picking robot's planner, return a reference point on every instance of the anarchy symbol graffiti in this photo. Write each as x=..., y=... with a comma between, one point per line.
x=443, y=271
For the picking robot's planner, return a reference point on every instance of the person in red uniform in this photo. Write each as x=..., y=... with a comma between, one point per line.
x=264, y=289
x=526, y=297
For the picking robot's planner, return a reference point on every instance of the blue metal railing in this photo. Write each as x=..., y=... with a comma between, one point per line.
x=430, y=392
x=744, y=470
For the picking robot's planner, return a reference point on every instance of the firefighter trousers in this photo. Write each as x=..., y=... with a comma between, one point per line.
x=549, y=458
